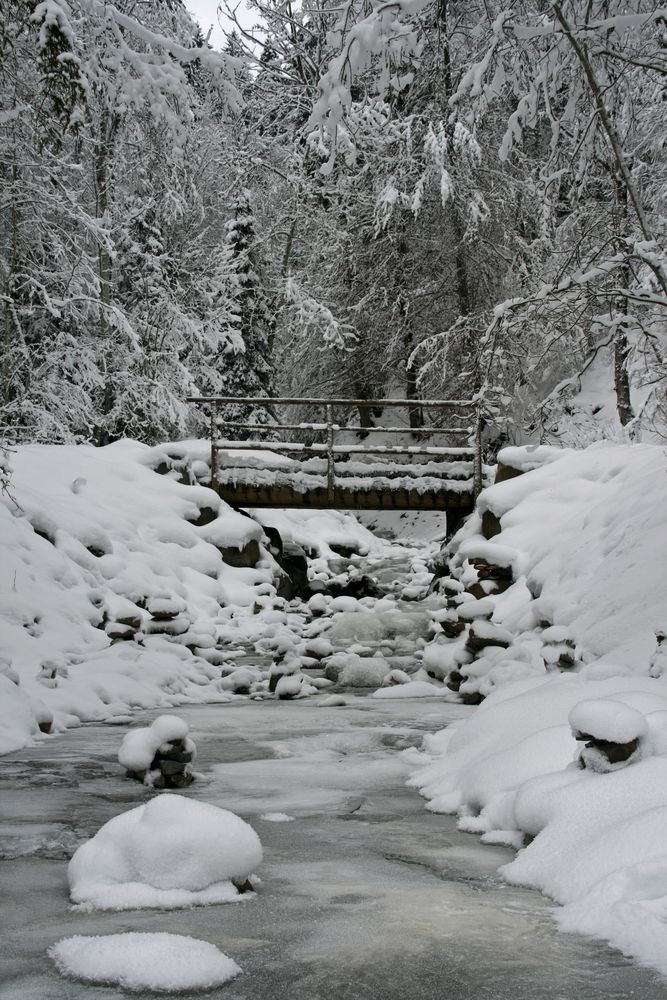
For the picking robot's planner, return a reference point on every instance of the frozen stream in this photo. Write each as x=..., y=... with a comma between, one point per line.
x=364, y=895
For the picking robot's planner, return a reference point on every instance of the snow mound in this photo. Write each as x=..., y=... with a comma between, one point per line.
x=171, y=852
x=134, y=961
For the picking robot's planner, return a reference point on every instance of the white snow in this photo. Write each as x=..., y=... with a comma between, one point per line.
x=138, y=961
x=171, y=852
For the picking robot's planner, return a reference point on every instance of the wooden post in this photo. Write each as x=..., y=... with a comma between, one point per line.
x=214, y=450
x=330, y=454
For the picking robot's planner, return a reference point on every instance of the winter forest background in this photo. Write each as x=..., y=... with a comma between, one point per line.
x=445, y=198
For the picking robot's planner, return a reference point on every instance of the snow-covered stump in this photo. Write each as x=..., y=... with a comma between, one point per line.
x=160, y=755
x=611, y=731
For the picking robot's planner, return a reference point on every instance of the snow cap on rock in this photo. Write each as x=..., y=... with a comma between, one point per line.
x=607, y=719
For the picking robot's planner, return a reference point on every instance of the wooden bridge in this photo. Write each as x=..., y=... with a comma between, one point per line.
x=255, y=469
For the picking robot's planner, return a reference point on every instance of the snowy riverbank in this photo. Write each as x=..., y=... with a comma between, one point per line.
x=585, y=536
x=97, y=548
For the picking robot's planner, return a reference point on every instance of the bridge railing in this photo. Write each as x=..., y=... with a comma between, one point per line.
x=329, y=428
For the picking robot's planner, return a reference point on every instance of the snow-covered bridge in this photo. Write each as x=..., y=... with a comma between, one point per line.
x=322, y=463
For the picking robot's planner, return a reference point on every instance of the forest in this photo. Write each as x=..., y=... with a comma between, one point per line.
x=447, y=199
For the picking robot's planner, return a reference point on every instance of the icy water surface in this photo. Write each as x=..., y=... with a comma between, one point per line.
x=364, y=895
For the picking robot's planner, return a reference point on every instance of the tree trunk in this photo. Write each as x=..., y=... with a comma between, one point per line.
x=621, y=380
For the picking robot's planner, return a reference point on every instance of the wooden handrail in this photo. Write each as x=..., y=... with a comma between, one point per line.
x=269, y=401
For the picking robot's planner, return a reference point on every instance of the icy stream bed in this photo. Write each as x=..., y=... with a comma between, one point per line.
x=364, y=896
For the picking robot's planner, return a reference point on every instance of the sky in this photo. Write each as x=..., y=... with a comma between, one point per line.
x=205, y=12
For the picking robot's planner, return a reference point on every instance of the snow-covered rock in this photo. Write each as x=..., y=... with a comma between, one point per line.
x=410, y=689
x=171, y=852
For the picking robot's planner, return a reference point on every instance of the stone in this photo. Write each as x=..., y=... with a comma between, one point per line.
x=168, y=626
x=45, y=726
x=491, y=571
x=454, y=680
x=344, y=551
x=246, y=557
x=612, y=753
x=452, y=629
x=357, y=587
x=179, y=780
x=132, y=621
x=170, y=768
x=206, y=516
x=136, y=775
x=177, y=756
x=275, y=541
x=294, y=563
x=504, y=472
x=490, y=524
x=332, y=672
x=119, y=632
x=471, y=697
x=243, y=885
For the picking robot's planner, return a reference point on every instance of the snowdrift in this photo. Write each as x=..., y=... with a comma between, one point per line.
x=570, y=658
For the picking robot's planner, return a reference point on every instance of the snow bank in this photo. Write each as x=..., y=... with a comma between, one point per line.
x=171, y=852
x=135, y=961
x=601, y=567
x=115, y=593
x=600, y=844
x=561, y=641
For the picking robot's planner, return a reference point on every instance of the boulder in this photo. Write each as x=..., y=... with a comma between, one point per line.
x=206, y=515
x=485, y=633
x=454, y=680
x=294, y=564
x=490, y=524
x=245, y=557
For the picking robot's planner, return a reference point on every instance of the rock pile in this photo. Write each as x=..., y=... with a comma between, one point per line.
x=471, y=651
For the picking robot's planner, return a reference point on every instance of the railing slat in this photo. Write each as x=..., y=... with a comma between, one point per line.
x=266, y=401
x=343, y=449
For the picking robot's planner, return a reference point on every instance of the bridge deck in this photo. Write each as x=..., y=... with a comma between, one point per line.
x=281, y=495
